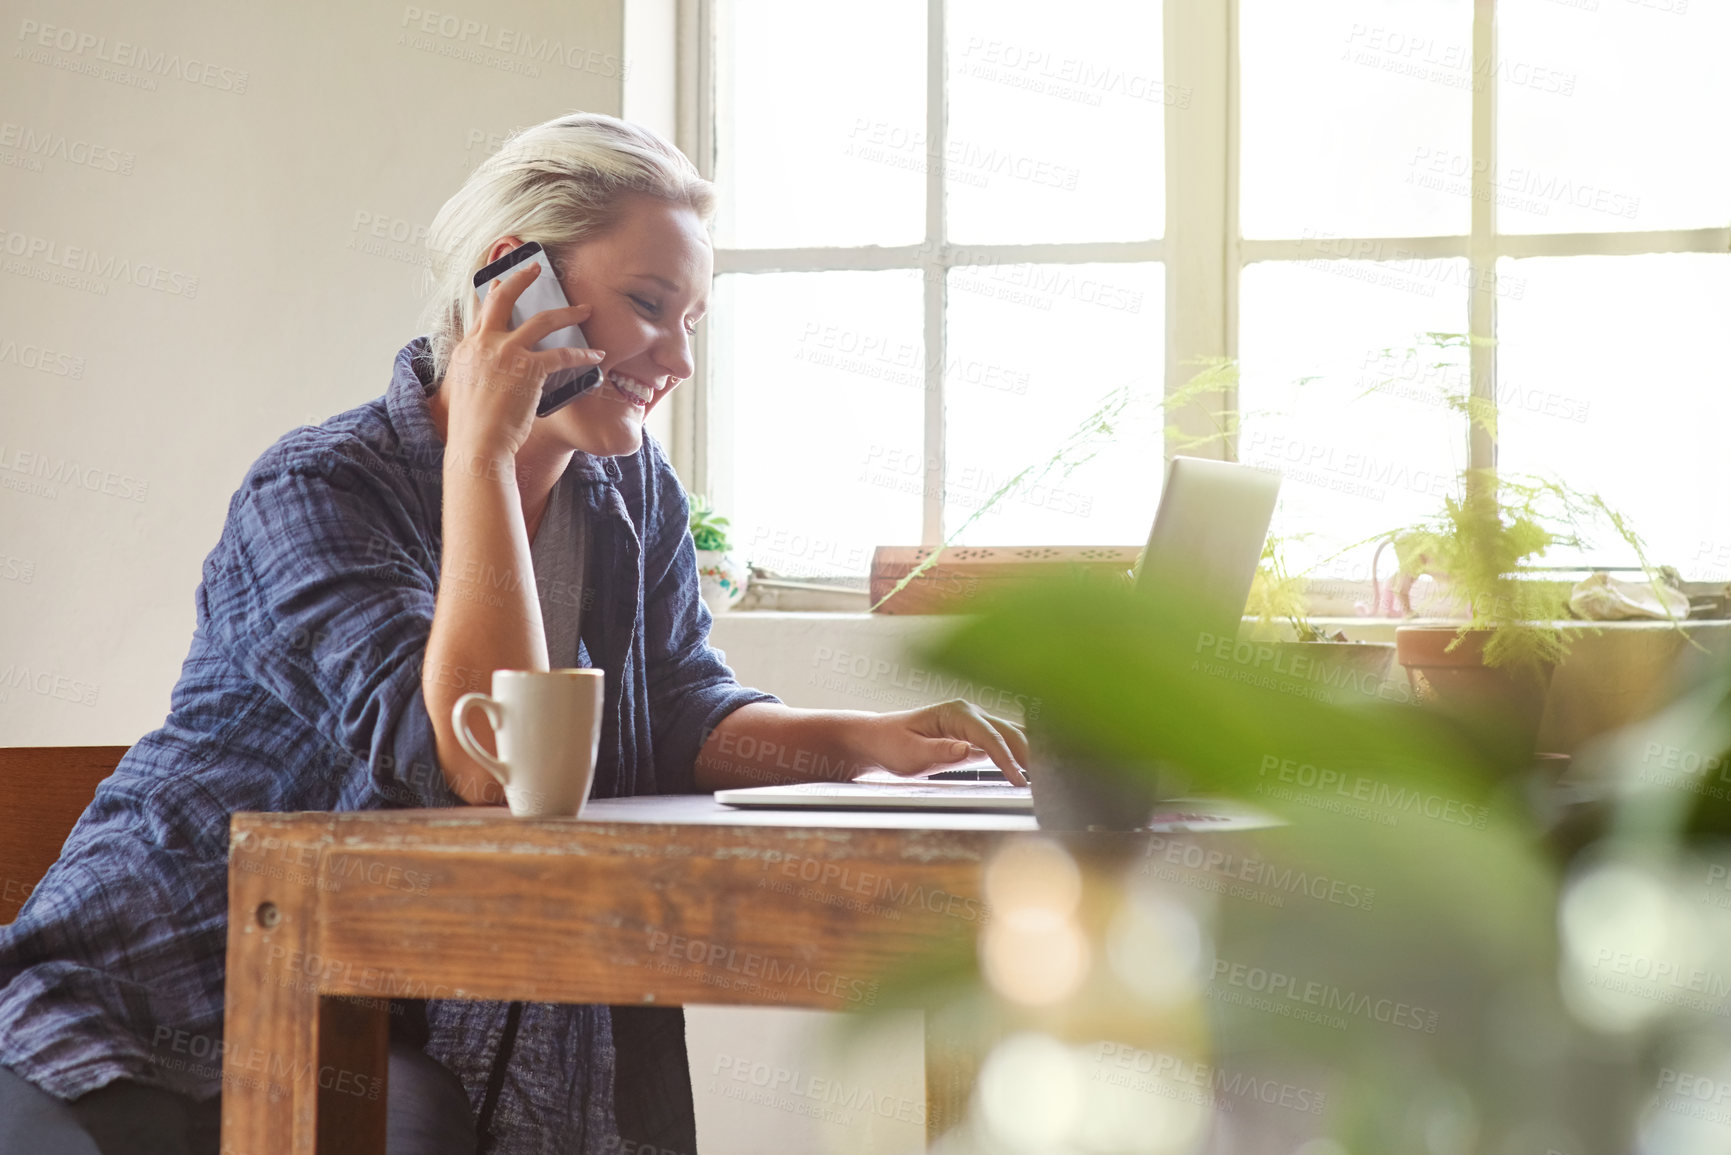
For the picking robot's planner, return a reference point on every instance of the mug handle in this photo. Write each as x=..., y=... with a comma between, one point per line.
x=460, y=723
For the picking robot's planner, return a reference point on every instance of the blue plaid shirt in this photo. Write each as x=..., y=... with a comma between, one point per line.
x=302, y=691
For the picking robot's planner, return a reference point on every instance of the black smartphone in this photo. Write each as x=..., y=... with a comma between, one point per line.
x=562, y=386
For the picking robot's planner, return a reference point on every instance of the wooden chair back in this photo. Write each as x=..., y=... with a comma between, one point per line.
x=45, y=789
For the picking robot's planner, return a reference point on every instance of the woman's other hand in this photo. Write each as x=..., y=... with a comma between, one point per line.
x=768, y=744
x=494, y=380
x=913, y=741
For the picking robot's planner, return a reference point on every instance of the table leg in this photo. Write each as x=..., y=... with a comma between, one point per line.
x=354, y=1060
x=293, y=1060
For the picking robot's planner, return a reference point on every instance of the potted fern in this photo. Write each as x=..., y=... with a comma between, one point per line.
x=721, y=575
x=1482, y=546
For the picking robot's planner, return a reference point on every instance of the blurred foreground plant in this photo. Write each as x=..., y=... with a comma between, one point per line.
x=1379, y=975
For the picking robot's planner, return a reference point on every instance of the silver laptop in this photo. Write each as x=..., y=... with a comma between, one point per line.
x=1208, y=535
x=907, y=794
x=1207, y=538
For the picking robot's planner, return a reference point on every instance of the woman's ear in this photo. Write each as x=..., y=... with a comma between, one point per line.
x=501, y=247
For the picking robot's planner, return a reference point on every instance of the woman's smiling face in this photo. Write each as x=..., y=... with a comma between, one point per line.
x=647, y=280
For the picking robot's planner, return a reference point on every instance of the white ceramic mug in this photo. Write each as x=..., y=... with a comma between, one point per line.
x=548, y=730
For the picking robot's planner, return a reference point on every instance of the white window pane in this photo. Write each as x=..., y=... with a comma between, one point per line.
x=1347, y=106
x=1314, y=338
x=1033, y=349
x=817, y=143
x=826, y=380
x=1613, y=116
x=1614, y=374
x=1056, y=121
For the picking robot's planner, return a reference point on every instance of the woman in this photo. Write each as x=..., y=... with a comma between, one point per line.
x=372, y=570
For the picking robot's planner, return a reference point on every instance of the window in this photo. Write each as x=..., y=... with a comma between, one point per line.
x=1350, y=253
x=950, y=227
x=938, y=251
x=1615, y=359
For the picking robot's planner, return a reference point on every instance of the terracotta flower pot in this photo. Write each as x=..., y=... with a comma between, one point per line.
x=1509, y=700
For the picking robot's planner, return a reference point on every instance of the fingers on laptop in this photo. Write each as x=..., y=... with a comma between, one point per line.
x=1014, y=737
x=998, y=738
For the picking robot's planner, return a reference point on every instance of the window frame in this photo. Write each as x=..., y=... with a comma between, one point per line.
x=1202, y=251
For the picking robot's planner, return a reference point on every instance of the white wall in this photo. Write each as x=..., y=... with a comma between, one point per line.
x=266, y=182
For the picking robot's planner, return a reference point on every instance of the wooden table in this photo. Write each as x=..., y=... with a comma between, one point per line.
x=660, y=900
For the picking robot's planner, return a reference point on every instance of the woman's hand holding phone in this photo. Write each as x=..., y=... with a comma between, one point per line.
x=481, y=621
x=495, y=376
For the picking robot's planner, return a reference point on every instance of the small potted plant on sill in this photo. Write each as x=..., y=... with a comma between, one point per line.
x=1332, y=667
x=723, y=577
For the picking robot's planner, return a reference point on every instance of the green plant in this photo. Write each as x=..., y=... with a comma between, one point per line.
x=1278, y=594
x=1484, y=543
x=1438, y=356
x=1489, y=533
x=708, y=528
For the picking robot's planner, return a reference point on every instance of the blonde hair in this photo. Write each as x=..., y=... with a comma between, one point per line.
x=560, y=182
